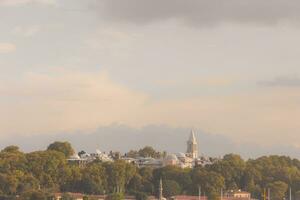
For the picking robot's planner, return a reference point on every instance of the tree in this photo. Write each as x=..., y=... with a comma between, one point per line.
x=141, y=196
x=149, y=152
x=210, y=182
x=171, y=188
x=135, y=184
x=232, y=168
x=8, y=184
x=115, y=196
x=34, y=195
x=252, y=179
x=297, y=195
x=130, y=171
x=72, y=177
x=12, y=159
x=67, y=196
x=48, y=167
x=63, y=147
x=116, y=173
x=278, y=190
x=11, y=149
x=93, y=179
x=27, y=183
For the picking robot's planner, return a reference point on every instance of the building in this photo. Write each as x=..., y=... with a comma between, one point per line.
x=184, y=160
x=80, y=196
x=187, y=197
x=148, y=162
x=237, y=195
x=188, y=159
x=192, y=146
x=85, y=158
x=77, y=196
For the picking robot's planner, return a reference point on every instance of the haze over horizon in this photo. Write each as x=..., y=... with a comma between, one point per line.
x=151, y=70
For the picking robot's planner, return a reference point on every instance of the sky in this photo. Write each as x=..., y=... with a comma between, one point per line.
x=229, y=69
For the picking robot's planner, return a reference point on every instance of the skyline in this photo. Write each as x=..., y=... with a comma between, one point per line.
x=70, y=67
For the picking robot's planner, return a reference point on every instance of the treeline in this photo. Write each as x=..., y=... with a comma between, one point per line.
x=37, y=175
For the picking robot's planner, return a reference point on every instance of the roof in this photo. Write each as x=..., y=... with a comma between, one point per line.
x=80, y=195
x=171, y=157
x=187, y=197
x=241, y=192
x=192, y=137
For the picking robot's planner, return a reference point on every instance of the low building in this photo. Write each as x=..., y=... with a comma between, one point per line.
x=187, y=197
x=85, y=158
x=80, y=196
x=76, y=196
x=237, y=195
x=148, y=162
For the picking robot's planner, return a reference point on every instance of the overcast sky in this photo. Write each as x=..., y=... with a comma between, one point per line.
x=230, y=68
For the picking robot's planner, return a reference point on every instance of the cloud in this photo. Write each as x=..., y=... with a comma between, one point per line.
x=289, y=81
x=209, y=81
x=22, y=2
x=63, y=101
x=252, y=116
x=7, y=47
x=200, y=12
x=26, y=31
x=68, y=101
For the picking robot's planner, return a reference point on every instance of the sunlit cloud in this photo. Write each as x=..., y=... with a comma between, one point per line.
x=65, y=100
x=200, y=12
x=26, y=31
x=7, y=47
x=283, y=81
x=22, y=2
x=68, y=101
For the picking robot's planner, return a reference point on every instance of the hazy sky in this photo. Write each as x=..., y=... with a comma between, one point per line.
x=230, y=67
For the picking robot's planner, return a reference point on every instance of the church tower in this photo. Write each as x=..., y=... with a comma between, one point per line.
x=192, y=146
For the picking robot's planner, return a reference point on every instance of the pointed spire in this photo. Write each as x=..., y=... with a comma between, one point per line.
x=192, y=137
x=192, y=146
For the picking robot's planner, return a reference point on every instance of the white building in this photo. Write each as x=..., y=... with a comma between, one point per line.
x=87, y=158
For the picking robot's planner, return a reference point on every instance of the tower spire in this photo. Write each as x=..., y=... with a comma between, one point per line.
x=192, y=136
x=192, y=146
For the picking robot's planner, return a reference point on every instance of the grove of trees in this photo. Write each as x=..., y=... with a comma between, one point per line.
x=37, y=175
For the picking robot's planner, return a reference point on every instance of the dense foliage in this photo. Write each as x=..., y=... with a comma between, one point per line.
x=39, y=174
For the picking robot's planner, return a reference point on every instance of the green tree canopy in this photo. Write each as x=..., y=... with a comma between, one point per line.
x=149, y=152
x=63, y=147
x=278, y=190
x=171, y=188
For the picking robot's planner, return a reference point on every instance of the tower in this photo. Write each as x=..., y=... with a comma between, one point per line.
x=192, y=146
x=160, y=196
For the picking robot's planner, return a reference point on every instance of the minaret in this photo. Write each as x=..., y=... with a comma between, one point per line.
x=160, y=197
x=192, y=146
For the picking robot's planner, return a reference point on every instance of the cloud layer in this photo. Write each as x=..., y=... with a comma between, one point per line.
x=201, y=12
x=22, y=2
x=141, y=62
x=289, y=81
x=66, y=101
x=7, y=47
